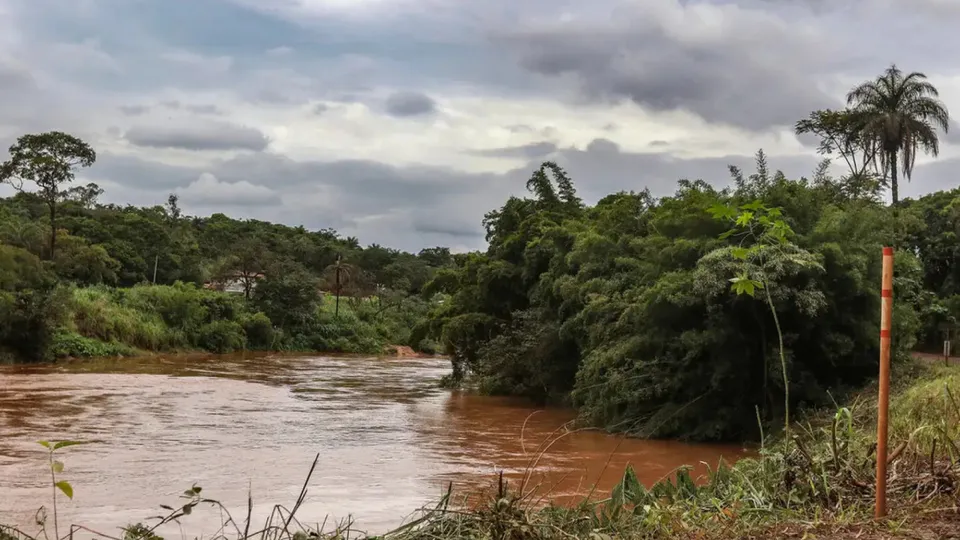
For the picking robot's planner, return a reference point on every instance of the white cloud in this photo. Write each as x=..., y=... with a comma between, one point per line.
x=207, y=191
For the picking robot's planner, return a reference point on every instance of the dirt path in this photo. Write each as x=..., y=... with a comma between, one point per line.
x=931, y=357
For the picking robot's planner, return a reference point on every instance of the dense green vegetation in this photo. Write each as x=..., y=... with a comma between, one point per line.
x=625, y=308
x=79, y=278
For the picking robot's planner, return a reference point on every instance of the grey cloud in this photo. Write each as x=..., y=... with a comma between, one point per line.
x=140, y=173
x=199, y=136
x=953, y=135
x=406, y=207
x=598, y=146
x=599, y=170
x=929, y=177
x=193, y=107
x=404, y=104
x=526, y=151
x=756, y=73
x=432, y=224
x=658, y=143
x=320, y=108
x=134, y=110
x=204, y=109
x=273, y=96
x=208, y=190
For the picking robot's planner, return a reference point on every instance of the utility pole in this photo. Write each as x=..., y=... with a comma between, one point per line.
x=336, y=310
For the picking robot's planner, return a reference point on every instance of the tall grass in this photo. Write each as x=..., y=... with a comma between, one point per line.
x=181, y=317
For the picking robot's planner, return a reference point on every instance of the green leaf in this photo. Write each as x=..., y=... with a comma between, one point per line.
x=45, y=444
x=740, y=253
x=66, y=488
x=57, y=467
x=744, y=285
x=744, y=218
x=187, y=509
x=755, y=205
x=728, y=234
x=64, y=444
x=722, y=211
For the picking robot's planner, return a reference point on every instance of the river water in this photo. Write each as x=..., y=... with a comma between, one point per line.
x=389, y=440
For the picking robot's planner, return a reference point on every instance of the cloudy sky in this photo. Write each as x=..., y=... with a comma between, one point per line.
x=402, y=121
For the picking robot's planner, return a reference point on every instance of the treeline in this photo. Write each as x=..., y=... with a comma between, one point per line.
x=698, y=314
x=78, y=277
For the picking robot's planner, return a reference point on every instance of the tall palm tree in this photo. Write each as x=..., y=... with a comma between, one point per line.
x=898, y=114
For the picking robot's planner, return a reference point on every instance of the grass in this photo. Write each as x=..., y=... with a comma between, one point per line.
x=817, y=484
x=104, y=321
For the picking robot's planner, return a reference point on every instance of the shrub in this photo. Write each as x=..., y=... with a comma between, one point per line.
x=221, y=337
x=29, y=319
x=259, y=331
x=98, y=313
x=67, y=344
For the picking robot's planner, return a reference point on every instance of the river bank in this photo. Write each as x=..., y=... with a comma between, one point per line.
x=819, y=483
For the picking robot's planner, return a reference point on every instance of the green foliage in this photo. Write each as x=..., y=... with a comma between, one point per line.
x=61, y=486
x=30, y=319
x=221, y=337
x=259, y=331
x=896, y=115
x=625, y=307
x=281, y=272
x=47, y=160
x=70, y=344
x=289, y=297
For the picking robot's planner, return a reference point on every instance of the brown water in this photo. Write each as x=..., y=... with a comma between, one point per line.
x=388, y=438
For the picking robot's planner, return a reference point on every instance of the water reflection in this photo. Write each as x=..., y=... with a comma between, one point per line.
x=388, y=438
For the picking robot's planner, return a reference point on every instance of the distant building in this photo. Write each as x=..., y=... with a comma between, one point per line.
x=235, y=284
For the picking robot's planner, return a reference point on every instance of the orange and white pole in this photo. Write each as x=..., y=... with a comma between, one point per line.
x=886, y=316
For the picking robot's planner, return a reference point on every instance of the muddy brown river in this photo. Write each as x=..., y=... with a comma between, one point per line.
x=389, y=440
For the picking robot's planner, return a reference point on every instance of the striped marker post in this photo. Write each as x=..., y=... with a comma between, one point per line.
x=886, y=316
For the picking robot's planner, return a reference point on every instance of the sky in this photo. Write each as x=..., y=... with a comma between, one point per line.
x=401, y=122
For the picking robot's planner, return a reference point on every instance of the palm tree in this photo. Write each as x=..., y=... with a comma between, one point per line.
x=341, y=273
x=897, y=114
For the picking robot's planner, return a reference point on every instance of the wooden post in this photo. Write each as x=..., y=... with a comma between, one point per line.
x=946, y=352
x=886, y=316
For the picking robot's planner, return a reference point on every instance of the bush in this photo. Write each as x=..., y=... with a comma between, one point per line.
x=29, y=319
x=70, y=344
x=259, y=331
x=221, y=337
x=98, y=314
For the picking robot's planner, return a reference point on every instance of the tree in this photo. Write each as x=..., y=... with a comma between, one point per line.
x=337, y=276
x=762, y=250
x=838, y=135
x=247, y=265
x=896, y=115
x=288, y=295
x=436, y=257
x=47, y=160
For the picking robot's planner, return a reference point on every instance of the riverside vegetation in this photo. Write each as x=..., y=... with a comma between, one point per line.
x=710, y=314
x=79, y=278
